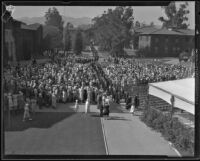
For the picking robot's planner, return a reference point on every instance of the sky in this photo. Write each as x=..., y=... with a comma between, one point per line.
x=145, y=14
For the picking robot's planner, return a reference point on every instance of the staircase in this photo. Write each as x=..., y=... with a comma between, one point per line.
x=158, y=103
x=141, y=91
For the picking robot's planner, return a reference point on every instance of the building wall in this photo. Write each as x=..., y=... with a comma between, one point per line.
x=144, y=41
x=171, y=45
x=10, y=44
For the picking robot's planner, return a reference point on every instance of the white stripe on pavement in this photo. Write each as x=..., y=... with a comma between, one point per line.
x=104, y=137
x=177, y=152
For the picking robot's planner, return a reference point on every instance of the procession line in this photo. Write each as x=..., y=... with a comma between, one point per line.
x=104, y=137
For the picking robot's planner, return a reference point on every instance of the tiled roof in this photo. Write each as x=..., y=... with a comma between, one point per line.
x=165, y=31
x=187, y=31
x=146, y=29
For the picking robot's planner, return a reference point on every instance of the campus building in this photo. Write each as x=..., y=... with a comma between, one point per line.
x=163, y=42
x=20, y=41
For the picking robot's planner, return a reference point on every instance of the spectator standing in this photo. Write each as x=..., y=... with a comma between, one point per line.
x=27, y=112
x=136, y=102
x=53, y=100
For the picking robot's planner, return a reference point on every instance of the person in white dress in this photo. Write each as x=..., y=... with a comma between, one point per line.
x=26, y=112
x=132, y=110
x=54, y=100
x=81, y=90
x=87, y=106
x=64, y=96
x=76, y=106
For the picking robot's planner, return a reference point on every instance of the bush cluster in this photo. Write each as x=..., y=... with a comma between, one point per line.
x=174, y=131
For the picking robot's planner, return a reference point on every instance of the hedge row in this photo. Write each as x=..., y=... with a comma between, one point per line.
x=181, y=136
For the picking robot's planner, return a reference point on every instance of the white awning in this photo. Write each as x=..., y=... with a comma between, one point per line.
x=183, y=91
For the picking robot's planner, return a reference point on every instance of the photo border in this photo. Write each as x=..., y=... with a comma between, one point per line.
x=112, y=3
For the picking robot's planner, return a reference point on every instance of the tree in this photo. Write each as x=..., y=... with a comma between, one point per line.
x=175, y=17
x=112, y=29
x=137, y=24
x=152, y=23
x=52, y=37
x=54, y=23
x=67, y=37
x=54, y=18
x=78, y=46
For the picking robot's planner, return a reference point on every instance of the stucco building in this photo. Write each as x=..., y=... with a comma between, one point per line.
x=164, y=42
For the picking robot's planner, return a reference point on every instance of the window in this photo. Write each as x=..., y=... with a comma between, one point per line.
x=156, y=49
x=156, y=39
x=192, y=40
x=186, y=39
x=167, y=40
x=174, y=49
x=166, y=49
x=177, y=40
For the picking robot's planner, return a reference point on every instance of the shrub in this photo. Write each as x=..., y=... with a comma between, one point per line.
x=174, y=131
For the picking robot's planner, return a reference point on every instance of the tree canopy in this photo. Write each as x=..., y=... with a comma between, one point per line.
x=78, y=46
x=67, y=37
x=176, y=18
x=53, y=28
x=52, y=37
x=54, y=18
x=112, y=29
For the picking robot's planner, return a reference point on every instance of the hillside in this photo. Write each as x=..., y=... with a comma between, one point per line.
x=75, y=21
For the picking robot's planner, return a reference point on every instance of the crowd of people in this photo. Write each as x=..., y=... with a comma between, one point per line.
x=62, y=79
x=128, y=71
x=69, y=78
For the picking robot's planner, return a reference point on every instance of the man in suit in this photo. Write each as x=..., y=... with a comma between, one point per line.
x=128, y=103
x=136, y=102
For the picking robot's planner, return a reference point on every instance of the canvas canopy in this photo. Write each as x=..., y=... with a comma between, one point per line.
x=183, y=91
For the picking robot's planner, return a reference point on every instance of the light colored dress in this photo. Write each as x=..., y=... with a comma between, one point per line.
x=64, y=96
x=76, y=106
x=26, y=111
x=87, y=106
x=132, y=109
x=81, y=90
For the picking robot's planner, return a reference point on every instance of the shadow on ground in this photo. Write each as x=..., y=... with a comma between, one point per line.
x=40, y=120
x=111, y=117
x=117, y=118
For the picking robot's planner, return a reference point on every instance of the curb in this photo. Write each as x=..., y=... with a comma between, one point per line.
x=172, y=146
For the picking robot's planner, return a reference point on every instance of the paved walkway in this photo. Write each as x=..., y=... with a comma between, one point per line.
x=127, y=135
x=76, y=133
x=57, y=132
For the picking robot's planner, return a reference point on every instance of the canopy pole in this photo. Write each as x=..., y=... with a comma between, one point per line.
x=172, y=106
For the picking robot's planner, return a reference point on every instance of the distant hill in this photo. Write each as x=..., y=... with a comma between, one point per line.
x=75, y=21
